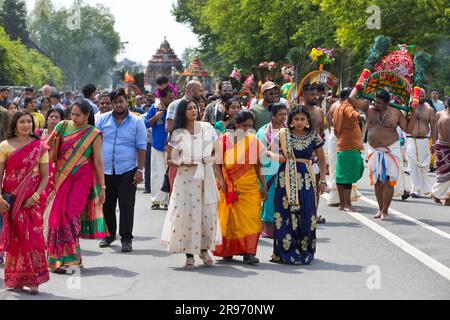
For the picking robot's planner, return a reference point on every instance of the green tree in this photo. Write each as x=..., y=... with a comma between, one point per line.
x=13, y=19
x=245, y=32
x=21, y=66
x=82, y=41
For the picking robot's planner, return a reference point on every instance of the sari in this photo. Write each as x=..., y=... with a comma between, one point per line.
x=76, y=210
x=266, y=135
x=22, y=237
x=240, y=207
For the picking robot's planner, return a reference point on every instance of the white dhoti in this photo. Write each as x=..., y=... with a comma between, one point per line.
x=419, y=157
x=158, y=170
x=384, y=163
x=441, y=190
x=333, y=198
x=400, y=187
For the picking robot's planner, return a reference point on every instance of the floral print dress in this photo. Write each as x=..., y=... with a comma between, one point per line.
x=295, y=215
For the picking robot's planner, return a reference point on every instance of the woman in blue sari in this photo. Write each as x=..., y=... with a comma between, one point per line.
x=266, y=135
x=295, y=194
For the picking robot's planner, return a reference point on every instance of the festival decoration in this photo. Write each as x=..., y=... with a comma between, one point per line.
x=395, y=71
x=324, y=57
x=236, y=74
x=129, y=78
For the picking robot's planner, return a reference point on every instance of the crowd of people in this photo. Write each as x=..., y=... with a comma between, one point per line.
x=227, y=171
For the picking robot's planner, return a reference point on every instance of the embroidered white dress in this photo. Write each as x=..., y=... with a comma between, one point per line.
x=192, y=222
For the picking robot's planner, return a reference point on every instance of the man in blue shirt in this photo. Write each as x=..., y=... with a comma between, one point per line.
x=124, y=147
x=156, y=119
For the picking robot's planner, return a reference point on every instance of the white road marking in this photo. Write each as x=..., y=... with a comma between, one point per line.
x=408, y=218
x=402, y=244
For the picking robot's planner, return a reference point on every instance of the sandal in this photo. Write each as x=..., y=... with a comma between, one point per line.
x=190, y=264
x=155, y=207
x=207, y=261
x=321, y=220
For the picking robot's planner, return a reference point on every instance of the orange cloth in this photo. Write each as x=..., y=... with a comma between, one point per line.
x=346, y=128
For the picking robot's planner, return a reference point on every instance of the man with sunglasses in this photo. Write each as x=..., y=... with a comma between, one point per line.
x=271, y=94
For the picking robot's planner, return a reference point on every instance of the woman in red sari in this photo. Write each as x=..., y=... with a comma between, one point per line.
x=76, y=210
x=24, y=172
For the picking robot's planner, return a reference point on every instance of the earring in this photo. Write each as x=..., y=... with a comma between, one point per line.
x=307, y=126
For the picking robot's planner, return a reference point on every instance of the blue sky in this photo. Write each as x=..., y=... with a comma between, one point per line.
x=139, y=22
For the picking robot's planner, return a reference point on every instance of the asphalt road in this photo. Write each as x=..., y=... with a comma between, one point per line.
x=358, y=258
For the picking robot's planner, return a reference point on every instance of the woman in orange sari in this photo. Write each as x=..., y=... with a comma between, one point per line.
x=240, y=198
x=80, y=190
x=24, y=172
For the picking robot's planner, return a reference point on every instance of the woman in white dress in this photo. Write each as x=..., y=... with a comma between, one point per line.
x=192, y=225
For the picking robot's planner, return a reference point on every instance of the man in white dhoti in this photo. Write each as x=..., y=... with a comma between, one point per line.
x=441, y=190
x=418, y=148
x=384, y=145
x=156, y=119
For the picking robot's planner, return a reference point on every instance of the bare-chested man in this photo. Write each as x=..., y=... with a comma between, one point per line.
x=441, y=190
x=309, y=95
x=418, y=148
x=384, y=145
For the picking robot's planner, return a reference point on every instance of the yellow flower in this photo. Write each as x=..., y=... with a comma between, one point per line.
x=278, y=220
x=287, y=242
x=305, y=244
x=282, y=180
x=285, y=203
x=313, y=223
x=294, y=221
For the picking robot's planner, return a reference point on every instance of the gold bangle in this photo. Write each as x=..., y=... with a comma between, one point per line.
x=36, y=196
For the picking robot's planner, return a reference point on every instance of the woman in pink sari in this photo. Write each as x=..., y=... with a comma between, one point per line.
x=24, y=172
x=76, y=210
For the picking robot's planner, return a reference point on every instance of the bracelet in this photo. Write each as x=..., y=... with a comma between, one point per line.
x=36, y=196
x=324, y=182
x=140, y=171
x=103, y=187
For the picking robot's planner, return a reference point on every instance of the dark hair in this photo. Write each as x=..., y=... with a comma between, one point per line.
x=46, y=99
x=276, y=107
x=211, y=99
x=224, y=82
x=345, y=93
x=320, y=87
x=85, y=109
x=243, y=116
x=228, y=104
x=62, y=115
x=117, y=93
x=165, y=92
x=27, y=101
x=56, y=96
x=180, y=119
x=447, y=99
x=12, y=103
x=308, y=87
x=435, y=90
x=300, y=110
x=383, y=95
x=162, y=80
x=88, y=90
x=12, y=129
x=29, y=90
x=3, y=89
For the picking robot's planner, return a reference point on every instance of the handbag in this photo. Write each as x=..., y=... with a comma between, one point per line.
x=166, y=183
x=54, y=148
x=8, y=197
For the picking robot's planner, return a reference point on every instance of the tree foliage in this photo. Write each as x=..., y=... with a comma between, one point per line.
x=82, y=40
x=246, y=32
x=21, y=66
